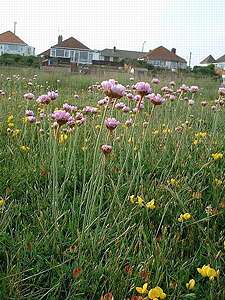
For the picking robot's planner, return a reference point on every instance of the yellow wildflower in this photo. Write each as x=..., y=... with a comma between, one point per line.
x=201, y=134
x=131, y=199
x=2, y=202
x=10, y=125
x=191, y=284
x=16, y=132
x=217, y=182
x=155, y=132
x=98, y=126
x=140, y=200
x=24, y=148
x=173, y=182
x=207, y=271
x=197, y=195
x=10, y=119
x=156, y=293
x=151, y=204
x=166, y=131
x=142, y=290
x=184, y=217
x=130, y=141
x=63, y=138
x=217, y=155
x=224, y=245
x=196, y=142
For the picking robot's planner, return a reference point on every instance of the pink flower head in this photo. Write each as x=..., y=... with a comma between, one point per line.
x=130, y=96
x=53, y=95
x=172, y=83
x=184, y=88
x=28, y=96
x=143, y=88
x=221, y=91
x=126, y=109
x=137, y=98
x=155, y=81
x=31, y=119
x=156, y=99
x=129, y=122
x=69, y=108
x=106, y=149
x=172, y=97
x=194, y=89
x=120, y=105
x=89, y=109
x=61, y=117
x=44, y=99
x=71, y=122
x=113, y=89
x=103, y=101
x=29, y=113
x=111, y=123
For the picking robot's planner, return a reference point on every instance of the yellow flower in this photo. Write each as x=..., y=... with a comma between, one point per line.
x=217, y=155
x=191, y=284
x=151, y=204
x=166, y=131
x=24, y=148
x=142, y=290
x=140, y=200
x=11, y=125
x=197, y=195
x=24, y=120
x=16, y=132
x=2, y=201
x=184, y=217
x=173, y=182
x=130, y=141
x=201, y=134
x=98, y=126
x=224, y=245
x=63, y=138
x=132, y=199
x=156, y=293
x=196, y=142
x=207, y=271
x=10, y=119
x=217, y=182
x=155, y=132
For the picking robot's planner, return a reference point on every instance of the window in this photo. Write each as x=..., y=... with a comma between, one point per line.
x=106, y=58
x=53, y=53
x=76, y=56
x=115, y=59
x=83, y=56
x=90, y=57
x=67, y=53
x=59, y=52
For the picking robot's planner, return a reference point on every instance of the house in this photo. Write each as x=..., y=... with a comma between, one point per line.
x=219, y=63
x=12, y=44
x=116, y=55
x=70, y=50
x=164, y=58
x=208, y=61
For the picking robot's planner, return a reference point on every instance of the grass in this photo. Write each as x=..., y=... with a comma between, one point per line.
x=68, y=229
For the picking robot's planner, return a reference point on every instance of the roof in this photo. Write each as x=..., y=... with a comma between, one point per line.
x=122, y=53
x=208, y=60
x=221, y=59
x=161, y=53
x=71, y=43
x=45, y=53
x=9, y=37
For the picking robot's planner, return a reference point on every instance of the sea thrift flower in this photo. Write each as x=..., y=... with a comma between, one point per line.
x=221, y=91
x=156, y=99
x=191, y=284
x=194, y=89
x=184, y=217
x=184, y=88
x=217, y=156
x=119, y=105
x=69, y=108
x=129, y=123
x=29, y=96
x=191, y=102
x=155, y=81
x=126, y=109
x=156, y=293
x=44, y=99
x=111, y=123
x=143, y=88
x=112, y=89
x=172, y=83
x=61, y=117
x=31, y=119
x=130, y=96
x=207, y=271
x=89, y=109
x=29, y=113
x=142, y=290
x=53, y=95
x=103, y=101
x=106, y=149
x=71, y=122
x=204, y=103
x=172, y=97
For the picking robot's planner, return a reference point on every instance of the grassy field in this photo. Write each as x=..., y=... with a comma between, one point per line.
x=77, y=223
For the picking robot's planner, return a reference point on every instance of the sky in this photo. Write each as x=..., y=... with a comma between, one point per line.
x=196, y=26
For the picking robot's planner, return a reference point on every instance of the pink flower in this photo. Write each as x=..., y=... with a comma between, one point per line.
x=113, y=89
x=221, y=91
x=89, y=109
x=126, y=109
x=194, y=89
x=71, y=122
x=143, y=88
x=172, y=97
x=69, y=108
x=53, y=95
x=31, y=119
x=103, y=101
x=28, y=96
x=119, y=105
x=130, y=96
x=29, y=113
x=106, y=149
x=155, y=81
x=184, y=88
x=156, y=99
x=61, y=117
x=44, y=99
x=111, y=123
x=172, y=83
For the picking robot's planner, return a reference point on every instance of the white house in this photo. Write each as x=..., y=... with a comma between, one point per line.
x=12, y=44
x=72, y=50
x=219, y=63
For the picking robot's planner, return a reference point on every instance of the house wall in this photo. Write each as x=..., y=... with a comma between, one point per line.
x=220, y=65
x=167, y=64
x=75, y=55
x=17, y=49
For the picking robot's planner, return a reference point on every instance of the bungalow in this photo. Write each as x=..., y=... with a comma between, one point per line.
x=163, y=58
x=70, y=50
x=116, y=55
x=219, y=63
x=12, y=44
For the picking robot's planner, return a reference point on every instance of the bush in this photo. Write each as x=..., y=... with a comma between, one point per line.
x=19, y=60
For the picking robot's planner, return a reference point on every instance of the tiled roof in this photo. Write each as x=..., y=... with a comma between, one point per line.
x=10, y=38
x=71, y=43
x=123, y=54
x=161, y=53
x=208, y=60
x=221, y=59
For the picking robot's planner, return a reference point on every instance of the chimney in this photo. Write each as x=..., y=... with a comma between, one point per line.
x=60, y=39
x=173, y=50
x=114, y=49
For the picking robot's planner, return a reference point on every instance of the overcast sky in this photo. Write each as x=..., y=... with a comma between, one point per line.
x=187, y=25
